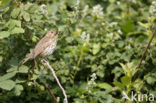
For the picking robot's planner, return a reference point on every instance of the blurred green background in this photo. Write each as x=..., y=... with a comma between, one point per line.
x=96, y=56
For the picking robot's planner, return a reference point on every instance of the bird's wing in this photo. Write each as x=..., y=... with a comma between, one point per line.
x=41, y=45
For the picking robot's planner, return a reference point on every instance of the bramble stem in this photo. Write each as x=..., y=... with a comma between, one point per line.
x=50, y=92
x=46, y=63
x=143, y=55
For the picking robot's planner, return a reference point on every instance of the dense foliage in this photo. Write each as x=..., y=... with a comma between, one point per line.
x=97, y=53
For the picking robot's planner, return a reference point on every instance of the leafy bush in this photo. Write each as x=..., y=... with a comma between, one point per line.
x=95, y=59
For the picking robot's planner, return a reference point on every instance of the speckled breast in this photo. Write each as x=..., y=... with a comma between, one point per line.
x=49, y=50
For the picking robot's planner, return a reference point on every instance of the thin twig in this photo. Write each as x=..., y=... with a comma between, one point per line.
x=50, y=92
x=143, y=55
x=46, y=63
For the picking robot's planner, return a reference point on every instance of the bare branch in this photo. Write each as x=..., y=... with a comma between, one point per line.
x=50, y=92
x=46, y=63
x=143, y=55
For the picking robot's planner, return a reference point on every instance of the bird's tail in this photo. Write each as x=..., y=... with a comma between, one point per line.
x=23, y=61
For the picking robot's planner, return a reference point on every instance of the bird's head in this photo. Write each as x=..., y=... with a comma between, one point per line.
x=52, y=33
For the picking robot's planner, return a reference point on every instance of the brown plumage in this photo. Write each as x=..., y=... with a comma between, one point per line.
x=44, y=47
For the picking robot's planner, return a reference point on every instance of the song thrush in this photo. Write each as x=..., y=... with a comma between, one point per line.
x=44, y=47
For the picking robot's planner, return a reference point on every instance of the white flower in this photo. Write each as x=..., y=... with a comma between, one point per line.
x=91, y=83
x=154, y=2
x=88, y=38
x=97, y=11
x=77, y=6
x=29, y=83
x=43, y=9
x=74, y=67
x=83, y=35
x=133, y=1
x=43, y=6
x=78, y=2
x=89, y=91
x=93, y=77
x=110, y=35
x=58, y=99
x=85, y=10
x=102, y=23
x=113, y=24
x=152, y=9
x=82, y=96
x=45, y=29
x=128, y=46
x=118, y=2
x=119, y=31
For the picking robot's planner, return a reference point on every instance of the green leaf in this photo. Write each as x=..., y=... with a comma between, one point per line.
x=12, y=69
x=13, y=23
x=26, y=16
x=33, y=8
x=17, y=30
x=150, y=80
x=7, y=76
x=18, y=90
x=17, y=23
x=145, y=25
x=104, y=85
x=6, y=10
x=69, y=39
x=128, y=26
x=112, y=1
x=4, y=34
x=100, y=74
x=124, y=67
x=23, y=69
x=78, y=100
x=53, y=8
x=1, y=58
x=138, y=84
x=19, y=81
x=7, y=84
x=4, y=2
x=15, y=12
x=118, y=84
x=126, y=80
x=96, y=48
x=13, y=62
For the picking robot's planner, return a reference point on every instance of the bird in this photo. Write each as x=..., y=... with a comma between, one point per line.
x=45, y=47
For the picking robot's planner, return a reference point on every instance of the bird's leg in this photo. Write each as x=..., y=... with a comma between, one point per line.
x=45, y=59
x=36, y=65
